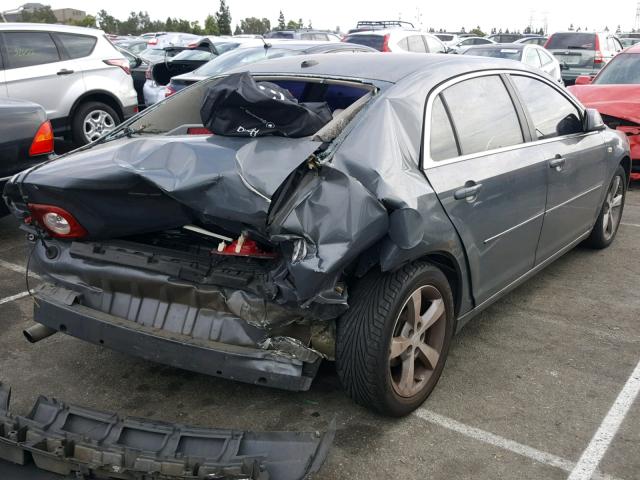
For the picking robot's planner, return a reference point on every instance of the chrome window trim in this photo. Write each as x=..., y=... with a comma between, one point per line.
x=428, y=162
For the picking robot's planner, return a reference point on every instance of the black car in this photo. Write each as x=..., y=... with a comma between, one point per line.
x=26, y=138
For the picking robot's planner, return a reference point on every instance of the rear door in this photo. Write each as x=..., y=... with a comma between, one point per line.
x=36, y=70
x=493, y=190
x=3, y=83
x=575, y=163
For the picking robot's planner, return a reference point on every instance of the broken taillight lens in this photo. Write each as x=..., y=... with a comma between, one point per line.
x=198, y=131
x=42, y=141
x=57, y=221
x=119, y=62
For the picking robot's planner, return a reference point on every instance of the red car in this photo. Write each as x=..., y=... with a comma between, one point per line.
x=615, y=93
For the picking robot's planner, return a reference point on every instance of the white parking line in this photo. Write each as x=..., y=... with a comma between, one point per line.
x=591, y=457
x=630, y=224
x=13, y=297
x=501, y=442
x=16, y=268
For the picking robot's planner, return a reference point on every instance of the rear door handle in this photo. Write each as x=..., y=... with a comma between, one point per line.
x=557, y=162
x=64, y=71
x=467, y=192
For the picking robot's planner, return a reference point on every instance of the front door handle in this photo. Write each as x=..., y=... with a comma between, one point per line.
x=468, y=192
x=64, y=71
x=557, y=162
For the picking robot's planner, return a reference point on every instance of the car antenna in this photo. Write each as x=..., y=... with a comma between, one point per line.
x=266, y=45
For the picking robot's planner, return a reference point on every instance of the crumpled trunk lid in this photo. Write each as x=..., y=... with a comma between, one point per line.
x=128, y=187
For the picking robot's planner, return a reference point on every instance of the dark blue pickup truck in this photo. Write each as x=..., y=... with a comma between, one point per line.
x=26, y=139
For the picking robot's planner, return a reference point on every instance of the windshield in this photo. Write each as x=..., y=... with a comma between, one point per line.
x=509, y=53
x=223, y=47
x=572, y=41
x=373, y=41
x=624, y=69
x=627, y=42
x=158, y=54
x=239, y=57
x=279, y=35
x=444, y=38
x=195, y=55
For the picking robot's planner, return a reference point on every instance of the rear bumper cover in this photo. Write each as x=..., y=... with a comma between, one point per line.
x=68, y=439
x=245, y=364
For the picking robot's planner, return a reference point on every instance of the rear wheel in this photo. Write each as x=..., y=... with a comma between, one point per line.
x=393, y=341
x=92, y=120
x=606, y=226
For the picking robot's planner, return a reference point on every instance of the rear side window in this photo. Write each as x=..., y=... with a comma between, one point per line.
x=25, y=49
x=77, y=46
x=552, y=113
x=434, y=45
x=442, y=141
x=416, y=44
x=531, y=57
x=572, y=41
x=373, y=41
x=483, y=114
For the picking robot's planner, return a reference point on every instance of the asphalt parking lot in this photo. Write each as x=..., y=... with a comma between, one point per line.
x=530, y=385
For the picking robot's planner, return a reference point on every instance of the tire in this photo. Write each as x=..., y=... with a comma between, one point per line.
x=105, y=118
x=374, y=330
x=608, y=221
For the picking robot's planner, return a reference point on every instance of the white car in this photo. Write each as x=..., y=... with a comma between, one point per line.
x=533, y=55
x=464, y=43
x=83, y=82
x=398, y=40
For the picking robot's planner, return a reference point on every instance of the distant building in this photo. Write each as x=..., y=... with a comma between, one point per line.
x=66, y=14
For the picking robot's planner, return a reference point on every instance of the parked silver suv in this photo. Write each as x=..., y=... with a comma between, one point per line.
x=76, y=74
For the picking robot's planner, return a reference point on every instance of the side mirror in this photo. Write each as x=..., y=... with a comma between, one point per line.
x=584, y=80
x=593, y=121
x=135, y=62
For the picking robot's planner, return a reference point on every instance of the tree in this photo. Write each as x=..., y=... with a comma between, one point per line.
x=281, y=23
x=541, y=32
x=618, y=30
x=477, y=32
x=196, y=29
x=571, y=28
x=527, y=30
x=223, y=18
x=237, y=30
x=462, y=30
x=309, y=26
x=88, y=21
x=292, y=25
x=39, y=15
x=107, y=23
x=211, y=26
x=255, y=25
x=301, y=23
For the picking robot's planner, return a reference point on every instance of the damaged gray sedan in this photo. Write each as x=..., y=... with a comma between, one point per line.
x=433, y=186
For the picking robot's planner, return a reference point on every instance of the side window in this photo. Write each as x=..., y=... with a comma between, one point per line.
x=77, y=46
x=483, y=114
x=552, y=113
x=25, y=49
x=321, y=36
x=306, y=36
x=404, y=44
x=416, y=44
x=531, y=57
x=434, y=45
x=544, y=57
x=442, y=140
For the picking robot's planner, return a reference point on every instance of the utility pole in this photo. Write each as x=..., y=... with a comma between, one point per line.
x=637, y=22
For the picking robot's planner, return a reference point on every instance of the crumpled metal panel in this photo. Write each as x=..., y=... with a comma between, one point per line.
x=68, y=439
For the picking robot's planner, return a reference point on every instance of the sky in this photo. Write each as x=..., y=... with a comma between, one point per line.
x=450, y=15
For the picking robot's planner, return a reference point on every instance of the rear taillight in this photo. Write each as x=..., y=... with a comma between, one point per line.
x=168, y=91
x=57, y=221
x=42, y=141
x=598, y=58
x=192, y=45
x=153, y=41
x=120, y=62
x=385, y=44
x=198, y=131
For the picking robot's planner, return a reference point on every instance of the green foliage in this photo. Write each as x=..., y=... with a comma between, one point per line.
x=223, y=17
x=292, y=25
x=211, y=26
x=88, y=21
x=40, y=15
x=477, y=32
x=255, y=25
x=281, y=23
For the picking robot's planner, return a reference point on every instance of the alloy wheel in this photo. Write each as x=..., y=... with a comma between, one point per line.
x=96, y=124
x=417, y=342
x=612, y=207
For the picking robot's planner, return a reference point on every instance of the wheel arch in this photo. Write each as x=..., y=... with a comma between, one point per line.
x=626, y=164
x=98, y=96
